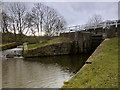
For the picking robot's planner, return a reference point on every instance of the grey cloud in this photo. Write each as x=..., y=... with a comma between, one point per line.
x=79, y=12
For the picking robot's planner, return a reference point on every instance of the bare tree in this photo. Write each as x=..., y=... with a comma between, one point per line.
x=17, y=13
x=53, y=22
x=41, y=19
x=37, y=15
x=17, y=20
x=1, y=3
x=29, y=23
x=46, y=19
x=4, y=22
x=95, y=20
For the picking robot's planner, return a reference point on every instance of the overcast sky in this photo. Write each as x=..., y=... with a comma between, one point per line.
x=78, y=13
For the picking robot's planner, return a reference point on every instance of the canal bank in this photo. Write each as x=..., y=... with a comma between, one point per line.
x=8, y=46
x=56, y=46
x=64, y=45
x=101, y=69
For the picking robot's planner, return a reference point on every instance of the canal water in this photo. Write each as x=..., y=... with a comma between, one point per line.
x=42, y=72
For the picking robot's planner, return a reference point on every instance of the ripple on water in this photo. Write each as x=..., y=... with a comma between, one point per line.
x=39, y=72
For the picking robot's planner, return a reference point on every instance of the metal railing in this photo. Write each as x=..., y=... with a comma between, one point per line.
x=86, y=27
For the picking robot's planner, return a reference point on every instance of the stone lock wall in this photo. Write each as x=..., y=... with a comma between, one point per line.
x=118, y=30
x=64, y=34
x=88, y=40
x=99, y=31
x=50, y=50
x=111, y=32
x=96, y=40
x=81, y=41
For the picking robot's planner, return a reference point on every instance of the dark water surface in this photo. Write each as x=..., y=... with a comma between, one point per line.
x=42, y=72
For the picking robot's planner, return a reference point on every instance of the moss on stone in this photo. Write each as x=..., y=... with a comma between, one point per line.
x=49, y=50
x=50, y=42
x=8, y=46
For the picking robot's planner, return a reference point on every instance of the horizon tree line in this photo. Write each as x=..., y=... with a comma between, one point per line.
x=40, y=19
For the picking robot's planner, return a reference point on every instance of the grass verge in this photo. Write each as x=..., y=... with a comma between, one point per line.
x=102, y=73
x=1, y=45
x=52, y=41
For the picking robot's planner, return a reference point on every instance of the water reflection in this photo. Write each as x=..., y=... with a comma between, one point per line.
x=42, y=72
